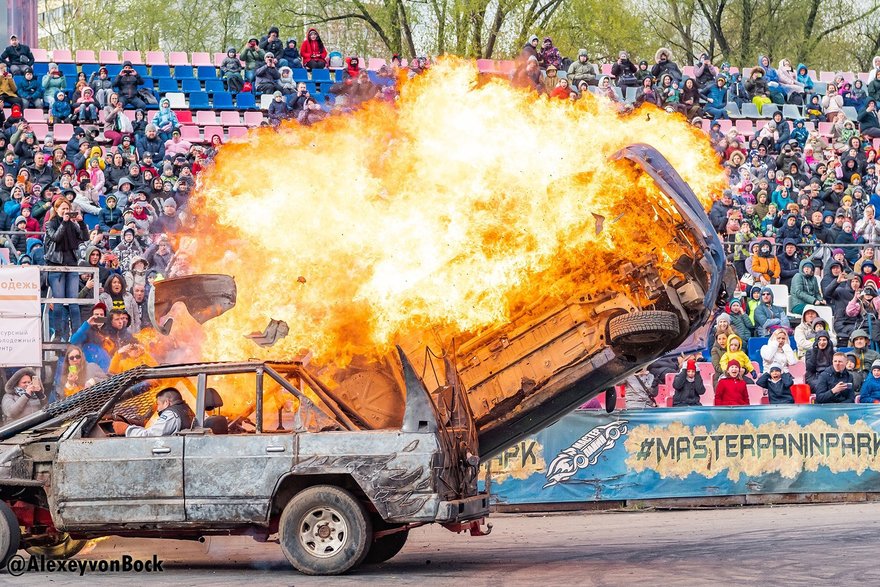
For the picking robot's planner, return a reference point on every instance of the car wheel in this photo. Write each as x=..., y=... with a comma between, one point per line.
x=64, y=548
x=325, y=530
x=640, y=329
x=10, y=534
x=386, y=547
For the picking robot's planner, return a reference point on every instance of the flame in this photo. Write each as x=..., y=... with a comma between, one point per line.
x=451, y=209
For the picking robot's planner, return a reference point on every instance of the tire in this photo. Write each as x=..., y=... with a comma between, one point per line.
x=65, y=548
x=643, y=328
x=386, y=547
x=325, y=530
x=10, y=534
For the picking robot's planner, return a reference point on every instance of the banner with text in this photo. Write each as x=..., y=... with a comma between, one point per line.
x=697, y=452
x=20, y=334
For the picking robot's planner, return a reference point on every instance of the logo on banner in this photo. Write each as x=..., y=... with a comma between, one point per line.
x=584, y=452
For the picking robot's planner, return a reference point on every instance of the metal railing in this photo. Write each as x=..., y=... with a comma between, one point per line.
x=91, y=301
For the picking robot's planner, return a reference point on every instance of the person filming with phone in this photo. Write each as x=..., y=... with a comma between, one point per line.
x=75, y=373
x=835, y=384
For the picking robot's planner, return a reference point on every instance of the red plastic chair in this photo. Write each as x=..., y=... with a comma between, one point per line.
x=184, y=116
x=801, y=393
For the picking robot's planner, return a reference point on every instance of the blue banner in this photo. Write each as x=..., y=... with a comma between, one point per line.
x=696, y=452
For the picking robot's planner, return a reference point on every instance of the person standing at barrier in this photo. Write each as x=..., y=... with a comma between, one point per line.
x=731, y=389
x=835, y=384
x=688, y=386
x=65, y=231
x=777, y=384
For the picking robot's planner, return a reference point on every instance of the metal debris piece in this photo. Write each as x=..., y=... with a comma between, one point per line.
x=205, y=297
x=275, y=331
x=600, y=221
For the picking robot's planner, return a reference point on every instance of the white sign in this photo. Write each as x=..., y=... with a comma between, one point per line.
x=20, y=328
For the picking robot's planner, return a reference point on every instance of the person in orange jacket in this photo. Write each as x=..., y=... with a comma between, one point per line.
x=764, y=266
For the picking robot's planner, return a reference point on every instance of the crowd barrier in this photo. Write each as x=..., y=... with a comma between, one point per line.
x=592, y=456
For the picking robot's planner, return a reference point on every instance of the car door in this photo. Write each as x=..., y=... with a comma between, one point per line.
x=119, y=480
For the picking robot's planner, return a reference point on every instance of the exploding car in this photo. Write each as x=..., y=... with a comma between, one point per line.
x=339, y=471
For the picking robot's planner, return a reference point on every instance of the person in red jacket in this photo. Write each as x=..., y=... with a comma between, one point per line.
x=313, y=53
x=731, y=389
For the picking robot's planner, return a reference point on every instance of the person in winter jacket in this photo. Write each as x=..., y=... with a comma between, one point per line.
x=624, y=71
x=549, y=54
x=126, y=85
x=804, y=288
x=116, y=297
x=59, y=111
x=777, y=384
x=165, y=120
x=731, y=390
x=778, y=351
x=271, y=43
x=312, y=51
x=30, y=91
x=640, y=391
x=17, y=56
x=290, y=56
x=286, y=81
x=231, y=71
x=266, y=78
x=663, y=64
x=688, y=386
x=53, y=82
x=818, y=358
x=110, y=217
x=735, y=352
x=24, y=395
x=870, y=391
x=835, y=384
x=740, y=321
x=253, y=58
x=278, y=109
x=764, y=266
x=864, y=356
x=788, y=261
x=805, y=332
x=583, y=70
x=704, y=72
x=716, y=99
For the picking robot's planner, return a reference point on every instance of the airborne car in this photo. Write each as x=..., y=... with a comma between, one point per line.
x=340, y=473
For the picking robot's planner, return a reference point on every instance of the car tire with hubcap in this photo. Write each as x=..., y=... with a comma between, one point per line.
x=10, y=534
x=325, y=530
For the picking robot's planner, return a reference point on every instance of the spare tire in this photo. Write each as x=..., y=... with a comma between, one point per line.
x=645, y=328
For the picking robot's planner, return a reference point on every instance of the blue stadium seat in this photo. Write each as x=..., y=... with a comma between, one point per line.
x=245, y=101
x=68, y=69
x=161, y=71
x=18, y=79
x=166, y=84
x=320, y=99
x=148, y=82
x=755, y=344
x=183, y=72
x=189, y=86
x=374, y=77
x=300, y=75
x=113, y=69
x=156, y=105
x=90, y=68
x=141, y=69
x=40, y=69
x=321, y=75
x=206, y=72
x=312, y=87
x=340, y=73
x=223, y=101
x=212, y=86
x=199, y=101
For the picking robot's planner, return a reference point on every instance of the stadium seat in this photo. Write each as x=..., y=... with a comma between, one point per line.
x=798, y=371
x=90, y=68
x=198, y=100
x=686, y=71
x=210, y=131
x=140, y=68
x=177, y=99
x=825, y=128
x=483, y=65
x=820, y=87
x=178, y=58
x=34, y=115
x=108, y=57
x=231, y=118
x=265, y=100
x=218, y=58
x=826, y=76
x=320, y=75
x=726, y=125
x=754, y=348
x=340, y=75
x=190, y=133
x=253, y=118
x=40, y=68
x=166, y=84
x=212, y=86
x=745, y=127
x=161, y=71
x=62, y=56
x=245, y=101
x=312, y=87
x=62, y=132
x=236, y=132
x=156, y=58
x=190, y=85
x=133, y=56
x=113, y=69
x=148, y=82
x=85, y=56
x=300, y=75
x=184, y=116
x=183, y=72
x=41, y=129
x=749, y=110
x=201, y=58
x=208, y=117
x=850, y=112
x=733, y=110
x=374, y=63
x=40, y=55
x=223, y=101
x=769, y=110
x=791, y=112
x=757, y=395
x=631, y=94
x=68, y=70
x=205, y=72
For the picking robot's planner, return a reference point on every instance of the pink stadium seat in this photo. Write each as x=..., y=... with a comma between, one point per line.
x=688, y=71
x=759, y=124
x=85, y=56
x=726, y=124
x=708, y=397
x=849, y=76
x=606, y=69
x=206, y=117
x=210, y=131
x=63, y=132
x=826, y=76
x=218, y=59
x=813, y=75
x=231, y=118
x=7, y=112
x=236, y=132
x=798, y=371
x=486, y=65
x=177, y=58
x=62, y=56
x=130, y=114
x=40, y=55
x=133, y=56
x=34, y=115
x=184, y=116
x=825, y=128
x=706, y=125
x=756, y=395
x=111, y=57
x=864, y=76
x=374, y=63
x=40, y=130
x=201, y=58
x=252, y=118
x=745, y=127
x=156, y=58
x=746, y=71
x=506, y=67
x=190, y=133
x=877, y=144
